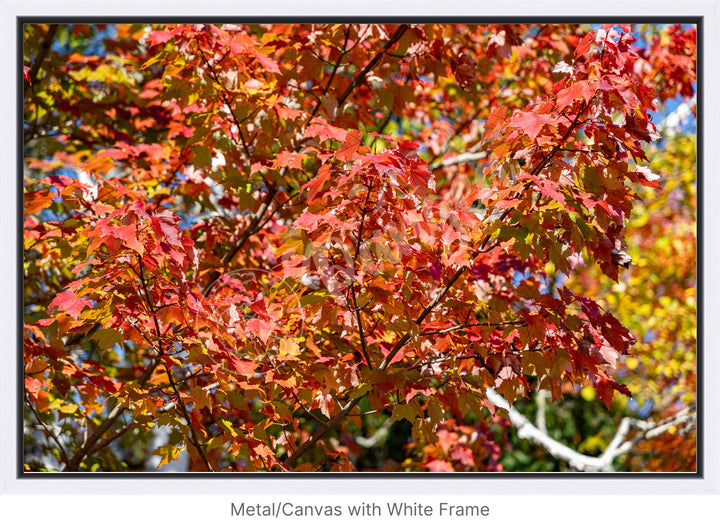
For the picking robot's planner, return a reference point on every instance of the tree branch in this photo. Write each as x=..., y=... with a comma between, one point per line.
x=462, y=158
x=110, y=438
x=585, y=463
x=356, y=309
x=527, y=430
x=481, y=249
x=186, y=415
x=252, y=228
x=438, y=298
x=45, y=47
x=649, y=430
x=168, y=371
x=458, y=129
x=374, y=61
x=292, y=460
x=471, y=325
x=89, y=443
x=47, y=430
x=332, y=75
x=558, y=147
x=541, y=401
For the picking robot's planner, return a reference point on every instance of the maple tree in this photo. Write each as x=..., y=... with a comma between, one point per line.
x=336, y=246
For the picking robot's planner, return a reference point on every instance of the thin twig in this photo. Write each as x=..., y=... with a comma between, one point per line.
x=45, y=48
x=47, y=430
x=227, y=102
x=332, y=75
x=110, y=438
x=161, y=349
x=459, y=128
x=374, y=61
x=186, y=415
x=357, y=310
x=462, y=158
x=471, y=325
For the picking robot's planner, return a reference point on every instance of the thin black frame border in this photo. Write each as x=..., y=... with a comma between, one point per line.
x=698, y=21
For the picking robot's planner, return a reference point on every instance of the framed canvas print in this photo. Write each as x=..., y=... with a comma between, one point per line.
x=371, y=247
x=341, y=247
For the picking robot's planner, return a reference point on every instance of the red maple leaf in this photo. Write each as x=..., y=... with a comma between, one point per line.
x=70, y=303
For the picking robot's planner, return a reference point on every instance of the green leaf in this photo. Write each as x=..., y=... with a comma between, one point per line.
x=107, y=338
x=202, y=157
x=404, y=411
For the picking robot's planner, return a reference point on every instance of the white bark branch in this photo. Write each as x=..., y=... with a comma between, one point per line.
x=458, y=159
x=618, y=445
x=540, y=399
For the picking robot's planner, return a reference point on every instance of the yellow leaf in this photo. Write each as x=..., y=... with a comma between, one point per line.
x=588, y=393
x=288, y=349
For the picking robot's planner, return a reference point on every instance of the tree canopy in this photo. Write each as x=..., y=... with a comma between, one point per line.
x=340, y=247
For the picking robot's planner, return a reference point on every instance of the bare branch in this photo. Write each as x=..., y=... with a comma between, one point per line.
x=47, y=430
x=356, y=309
x=617, y=446
x=332, y=74
x=110, y=438
x=45, y=48
x=89, y=443
x=471, y=325
x=186, y=415
x=374, y=61
x=292, y=460
x=376, y=438
x=462, y=158
x=459, y=128
x=527, y=430
x=541, y=401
